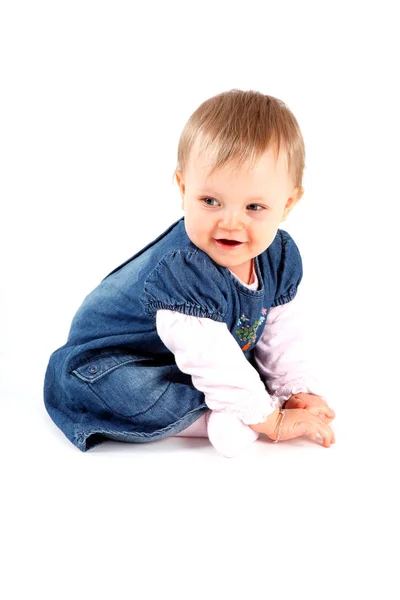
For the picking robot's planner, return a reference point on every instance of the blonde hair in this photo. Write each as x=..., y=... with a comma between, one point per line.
x=238, y=126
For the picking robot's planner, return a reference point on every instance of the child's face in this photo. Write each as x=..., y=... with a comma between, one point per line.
x=245, y=206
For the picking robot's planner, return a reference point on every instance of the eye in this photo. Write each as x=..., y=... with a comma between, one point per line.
x=209, y=201
x=255, y=207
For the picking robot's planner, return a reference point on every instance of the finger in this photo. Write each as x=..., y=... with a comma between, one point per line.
x=303, y=428
x=330, y=413
x=323, y=407
x=313, y=434
x=326, y=433
x=295, y=403
x=325, y=414
x=324, y=417
x=315, y=426
x=318, y=411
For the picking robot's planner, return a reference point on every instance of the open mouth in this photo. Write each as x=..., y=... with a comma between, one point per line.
x=228, y=243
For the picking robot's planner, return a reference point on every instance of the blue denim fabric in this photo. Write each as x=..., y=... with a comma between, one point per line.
x=115, y=379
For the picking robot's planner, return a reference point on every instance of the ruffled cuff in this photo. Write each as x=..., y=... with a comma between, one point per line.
x=251, y=406
x=256, y=411
x=285, y=391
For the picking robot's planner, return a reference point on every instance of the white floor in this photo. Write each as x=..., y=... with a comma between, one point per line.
x=174, y=519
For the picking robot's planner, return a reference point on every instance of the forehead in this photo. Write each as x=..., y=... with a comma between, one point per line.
x=268, y=168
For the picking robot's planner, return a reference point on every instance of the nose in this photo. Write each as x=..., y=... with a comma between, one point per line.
x=231, y=220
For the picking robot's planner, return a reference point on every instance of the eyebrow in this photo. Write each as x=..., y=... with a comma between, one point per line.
x=253, y=199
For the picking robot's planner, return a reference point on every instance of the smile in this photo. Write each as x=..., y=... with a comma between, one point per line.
x=228, y=244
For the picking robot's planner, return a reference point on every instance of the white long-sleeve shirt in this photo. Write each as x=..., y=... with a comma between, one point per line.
x=234, y=391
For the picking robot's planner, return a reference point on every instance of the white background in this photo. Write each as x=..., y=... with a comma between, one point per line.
x=93, y=98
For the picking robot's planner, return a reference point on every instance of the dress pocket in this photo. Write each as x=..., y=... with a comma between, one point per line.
x=126, y=384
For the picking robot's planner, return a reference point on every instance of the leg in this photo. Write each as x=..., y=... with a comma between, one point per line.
x=196, y=429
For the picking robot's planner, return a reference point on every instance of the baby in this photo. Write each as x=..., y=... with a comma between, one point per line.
x=199, y=333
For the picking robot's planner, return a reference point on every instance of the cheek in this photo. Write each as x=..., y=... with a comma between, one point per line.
x=261, y=233
x=194, y=229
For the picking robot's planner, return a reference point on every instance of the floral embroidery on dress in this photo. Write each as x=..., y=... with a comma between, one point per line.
x=247, y=333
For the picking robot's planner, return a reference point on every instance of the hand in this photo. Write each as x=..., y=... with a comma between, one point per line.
x=314, y=404
x=296, y=422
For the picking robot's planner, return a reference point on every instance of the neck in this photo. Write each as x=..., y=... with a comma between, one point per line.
x=245, y=273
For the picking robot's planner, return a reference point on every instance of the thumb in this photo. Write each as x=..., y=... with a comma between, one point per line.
x=296, y=403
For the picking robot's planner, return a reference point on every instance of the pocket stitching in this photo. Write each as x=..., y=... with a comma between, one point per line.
x=100, y=375
x=114, y=411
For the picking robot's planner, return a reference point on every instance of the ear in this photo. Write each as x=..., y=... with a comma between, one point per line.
x=180, y=182
x=292, y=201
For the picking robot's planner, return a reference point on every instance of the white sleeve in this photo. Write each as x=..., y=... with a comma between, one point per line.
x=281, y=354
x=206, y=350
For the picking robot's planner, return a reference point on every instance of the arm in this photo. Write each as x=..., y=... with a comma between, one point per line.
x=206, y=350
x=233, y=389
x=280, y=354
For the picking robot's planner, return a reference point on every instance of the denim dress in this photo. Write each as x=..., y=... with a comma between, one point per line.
x=115, y=379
